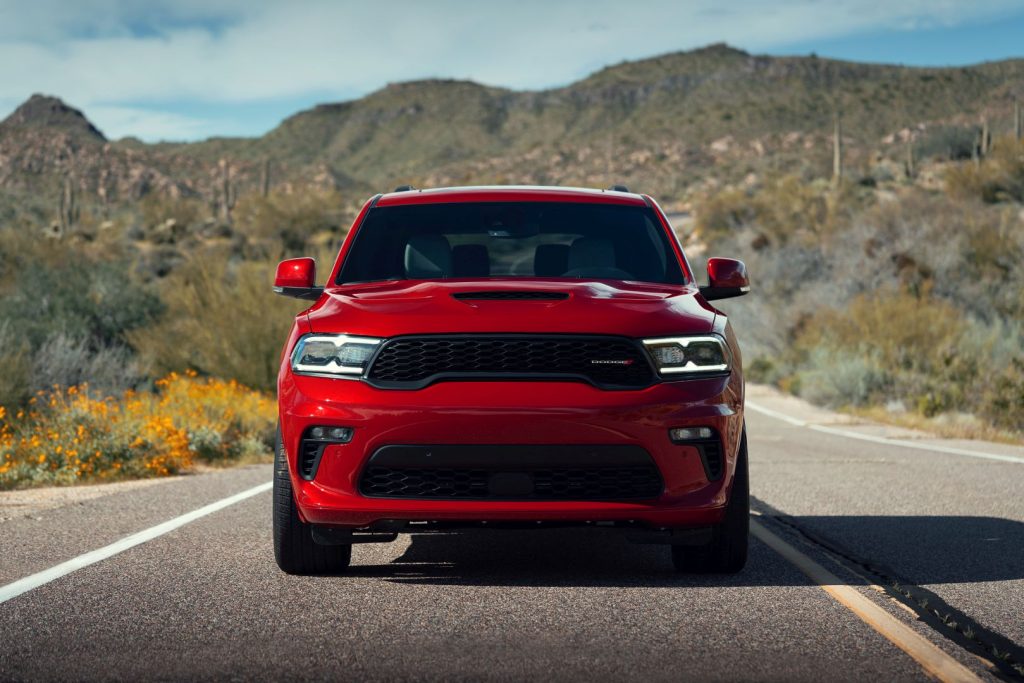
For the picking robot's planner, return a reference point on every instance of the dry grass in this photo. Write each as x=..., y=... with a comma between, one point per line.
x=947, y=426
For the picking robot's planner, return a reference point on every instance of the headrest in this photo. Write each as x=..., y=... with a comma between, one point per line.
x=591, y=252
x=471, y=260
x=551, y=260
x=428, y=256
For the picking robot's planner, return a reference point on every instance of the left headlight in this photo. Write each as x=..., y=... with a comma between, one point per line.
x=336, y=355
x=682, y=356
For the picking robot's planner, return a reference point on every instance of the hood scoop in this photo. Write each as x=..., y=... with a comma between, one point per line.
x=510, y=295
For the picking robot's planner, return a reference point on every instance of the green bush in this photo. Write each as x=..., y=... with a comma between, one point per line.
x=843, y=377
x=221, y=320
x=15, y=378
x=84, y=300
x=1002, y=402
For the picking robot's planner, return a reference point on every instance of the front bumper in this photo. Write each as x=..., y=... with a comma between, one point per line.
x=514, y=413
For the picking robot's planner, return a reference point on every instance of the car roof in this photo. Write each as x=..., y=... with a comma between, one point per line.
x=510, y=193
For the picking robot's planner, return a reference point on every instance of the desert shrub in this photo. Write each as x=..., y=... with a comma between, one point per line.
x=786, y=209
x=913, y=298
x=951, y=142
x=221, y=320
x=904, y=332
x=915, y=349
x=1002, y=398
x=723, y=214
x=157, y=209
x=82, y=299
x=70, y=435
x=66, y=361
x=16, y=367
x=842, y=377
x=998, y=178
x=290, y=219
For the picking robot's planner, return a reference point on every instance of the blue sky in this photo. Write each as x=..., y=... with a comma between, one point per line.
x=189, y=69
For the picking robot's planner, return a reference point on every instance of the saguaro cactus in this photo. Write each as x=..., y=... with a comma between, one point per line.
x=68, y=206
x=837, y=150
x=265, y=178
x=227, y=194
x=1018, y=120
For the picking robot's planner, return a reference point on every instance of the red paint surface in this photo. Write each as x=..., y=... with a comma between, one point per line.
x=296, y=272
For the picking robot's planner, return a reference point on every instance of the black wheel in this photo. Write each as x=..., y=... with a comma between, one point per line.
x=727, y=551
x=294, y=549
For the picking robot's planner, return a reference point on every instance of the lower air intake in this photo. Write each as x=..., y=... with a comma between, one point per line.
x=309, y=457
x=459, y=472
x=712, y=457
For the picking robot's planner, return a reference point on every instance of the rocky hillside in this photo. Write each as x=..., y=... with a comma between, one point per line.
x=664, y=124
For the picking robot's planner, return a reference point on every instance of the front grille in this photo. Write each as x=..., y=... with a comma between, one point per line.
x=507, y=295
x=414, y=362
x=511, y=473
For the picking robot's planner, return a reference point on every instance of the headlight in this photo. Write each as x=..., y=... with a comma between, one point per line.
x=689, y=355
x=333, y=354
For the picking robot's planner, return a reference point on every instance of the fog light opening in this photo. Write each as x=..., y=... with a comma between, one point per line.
x=687, y=434
x=326, y=434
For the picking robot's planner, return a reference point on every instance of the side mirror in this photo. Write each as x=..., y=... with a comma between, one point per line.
x=727, y=278
x=296, y=277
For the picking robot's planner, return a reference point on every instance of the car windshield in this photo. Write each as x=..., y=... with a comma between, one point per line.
x=511, y=240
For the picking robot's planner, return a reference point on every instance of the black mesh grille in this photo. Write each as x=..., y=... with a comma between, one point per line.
x=511, y=472
x=506, y=295
x=599, y=483
x=711, y=454
x=309, y=453
x=413, y=362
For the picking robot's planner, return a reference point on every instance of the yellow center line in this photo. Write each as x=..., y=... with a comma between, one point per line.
x=933, y=660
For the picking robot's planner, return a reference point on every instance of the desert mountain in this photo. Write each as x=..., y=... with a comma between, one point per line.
x=659, y=124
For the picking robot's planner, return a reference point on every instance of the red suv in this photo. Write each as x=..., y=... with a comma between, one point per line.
x=511, y=357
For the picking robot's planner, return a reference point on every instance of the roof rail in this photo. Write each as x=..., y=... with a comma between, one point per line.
x=404, y=188
x=618, y=188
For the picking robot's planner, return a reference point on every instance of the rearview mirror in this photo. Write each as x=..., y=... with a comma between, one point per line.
x=727, y=278
x=296, y=277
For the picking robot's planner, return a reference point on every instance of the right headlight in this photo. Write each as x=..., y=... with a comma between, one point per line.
x=333, y=355
x=681, y=356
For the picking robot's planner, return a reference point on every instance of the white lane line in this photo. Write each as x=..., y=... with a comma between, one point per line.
x=13, y=590
x=880, y=439
x=937, y=663
x=774, y=413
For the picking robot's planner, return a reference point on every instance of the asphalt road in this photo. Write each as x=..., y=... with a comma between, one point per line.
x=206, y=601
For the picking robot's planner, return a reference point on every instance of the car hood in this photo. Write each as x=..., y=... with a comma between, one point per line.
x=387, y=309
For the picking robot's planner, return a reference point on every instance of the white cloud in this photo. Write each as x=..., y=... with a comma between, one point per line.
x=113, y=52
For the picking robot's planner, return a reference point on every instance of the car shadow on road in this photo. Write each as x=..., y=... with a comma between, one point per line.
x=546, y=557
x=924, y=549
x=921, y=549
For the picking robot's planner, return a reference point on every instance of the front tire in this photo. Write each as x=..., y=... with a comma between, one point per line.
x=294, y=548
x=727, y=551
